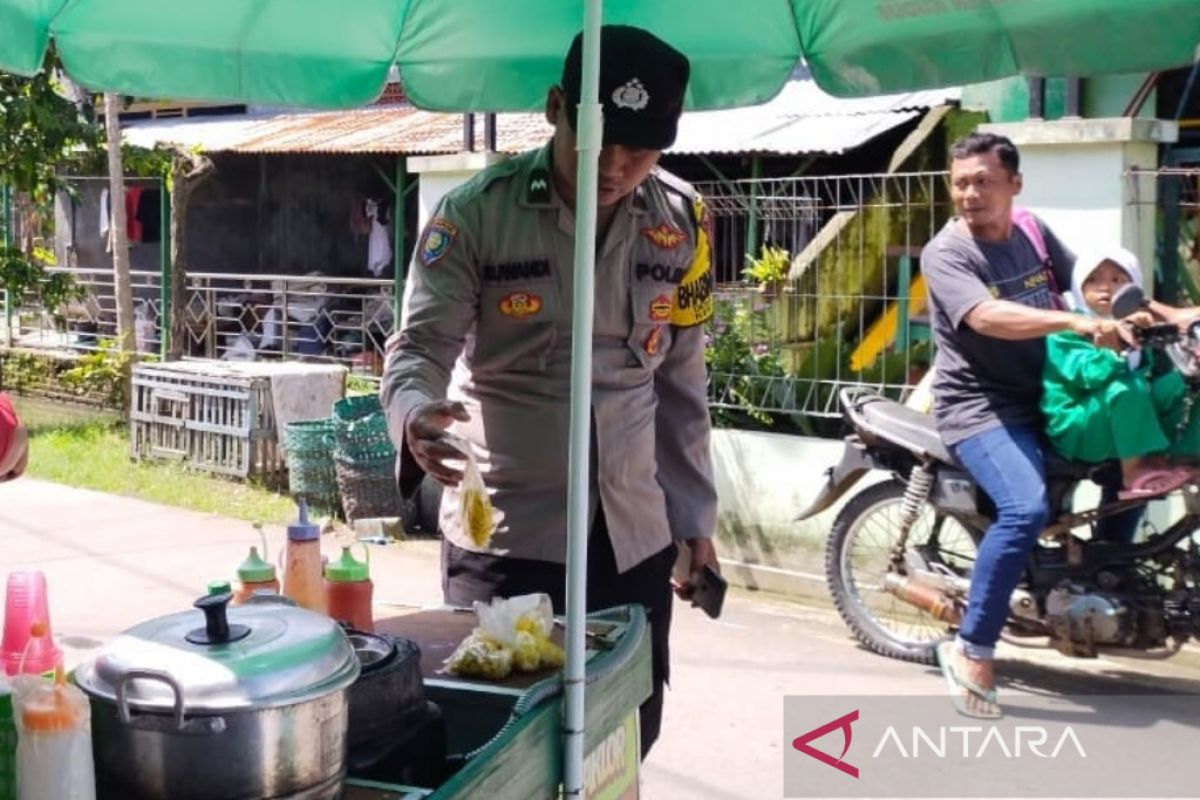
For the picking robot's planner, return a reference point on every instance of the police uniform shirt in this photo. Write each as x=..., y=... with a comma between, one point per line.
x=487, y=322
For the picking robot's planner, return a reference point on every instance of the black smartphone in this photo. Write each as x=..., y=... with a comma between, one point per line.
x=709, y=592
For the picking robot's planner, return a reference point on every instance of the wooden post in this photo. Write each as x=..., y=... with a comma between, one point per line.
x=164, y=261
x=399, y=190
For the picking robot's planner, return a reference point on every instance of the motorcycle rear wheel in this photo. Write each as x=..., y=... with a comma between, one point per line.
x=857, y=556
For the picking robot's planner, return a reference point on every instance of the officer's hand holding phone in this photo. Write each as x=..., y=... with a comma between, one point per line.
x=704, y=586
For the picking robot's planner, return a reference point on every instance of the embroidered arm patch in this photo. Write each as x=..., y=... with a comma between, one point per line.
x=694, y=296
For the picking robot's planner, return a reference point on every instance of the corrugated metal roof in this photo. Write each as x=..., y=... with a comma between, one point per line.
x=801, y=119
x=387, y=129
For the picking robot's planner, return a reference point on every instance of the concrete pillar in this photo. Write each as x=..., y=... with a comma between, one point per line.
x=1077, y=178
x=440, y=174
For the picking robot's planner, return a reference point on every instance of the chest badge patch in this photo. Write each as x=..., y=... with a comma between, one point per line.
x=665, y=237
x=660, y=308
x=520, y=305
x=436, y=241
x=653, y=341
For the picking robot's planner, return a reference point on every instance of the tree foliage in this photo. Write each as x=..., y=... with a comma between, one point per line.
x=40, y=130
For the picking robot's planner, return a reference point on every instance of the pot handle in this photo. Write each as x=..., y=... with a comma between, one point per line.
x=122, y=685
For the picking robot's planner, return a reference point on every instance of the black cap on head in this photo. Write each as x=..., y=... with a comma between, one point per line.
x=642, y=83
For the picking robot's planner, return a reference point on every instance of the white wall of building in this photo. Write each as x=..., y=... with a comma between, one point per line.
x=1077, y=178
x=440, y=174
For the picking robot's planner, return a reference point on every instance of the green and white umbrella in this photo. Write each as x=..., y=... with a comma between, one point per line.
x=500, y=55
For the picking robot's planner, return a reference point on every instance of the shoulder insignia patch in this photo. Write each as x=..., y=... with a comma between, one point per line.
x=437, y=240
x=538, y=190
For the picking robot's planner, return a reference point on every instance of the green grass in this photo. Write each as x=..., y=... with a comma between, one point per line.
x=90, y=450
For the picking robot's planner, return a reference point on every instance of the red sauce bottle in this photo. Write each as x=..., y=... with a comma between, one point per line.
x=349, y=590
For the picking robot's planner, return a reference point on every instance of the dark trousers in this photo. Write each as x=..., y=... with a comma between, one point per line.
x=467, y=577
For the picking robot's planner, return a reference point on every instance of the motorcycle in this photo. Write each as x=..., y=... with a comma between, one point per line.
x=899, y=554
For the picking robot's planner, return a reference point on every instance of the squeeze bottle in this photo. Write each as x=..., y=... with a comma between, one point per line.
x=302, y=563
x=348, y=591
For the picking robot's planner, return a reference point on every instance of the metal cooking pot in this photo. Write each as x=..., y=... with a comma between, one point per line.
x=243, y=704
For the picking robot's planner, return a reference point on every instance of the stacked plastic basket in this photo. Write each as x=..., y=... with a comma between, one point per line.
x=346, y=463
x=364, y=459
x=311, y=472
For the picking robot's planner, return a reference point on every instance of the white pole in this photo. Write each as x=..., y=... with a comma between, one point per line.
x=589, y=128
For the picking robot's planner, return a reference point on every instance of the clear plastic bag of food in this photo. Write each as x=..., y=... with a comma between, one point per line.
x=476, y=512
x=523, y=624
x=480, y=656
x=504, y=617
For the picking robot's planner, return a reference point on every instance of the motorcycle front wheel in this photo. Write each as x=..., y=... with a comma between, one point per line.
x=859, y=554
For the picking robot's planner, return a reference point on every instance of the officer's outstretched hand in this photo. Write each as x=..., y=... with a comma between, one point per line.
x=423, y=434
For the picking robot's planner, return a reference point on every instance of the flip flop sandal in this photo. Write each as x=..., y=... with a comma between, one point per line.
x=956, y=684
x=1156, y=482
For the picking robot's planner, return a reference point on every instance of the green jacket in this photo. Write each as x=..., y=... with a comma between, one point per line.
x=1096, y=406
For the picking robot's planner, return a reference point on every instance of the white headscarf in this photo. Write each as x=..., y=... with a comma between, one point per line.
x=1090, y=260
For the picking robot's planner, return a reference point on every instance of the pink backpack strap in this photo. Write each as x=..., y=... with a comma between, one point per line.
x=1027, y=223
x=1024, y=220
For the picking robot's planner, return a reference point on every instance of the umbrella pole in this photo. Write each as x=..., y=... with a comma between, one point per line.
x=590, y=131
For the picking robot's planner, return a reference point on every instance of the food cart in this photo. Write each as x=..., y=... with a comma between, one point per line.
x=269, y=701
x=503, y=738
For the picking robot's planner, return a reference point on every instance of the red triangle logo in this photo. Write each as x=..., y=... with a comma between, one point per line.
x=801, y=743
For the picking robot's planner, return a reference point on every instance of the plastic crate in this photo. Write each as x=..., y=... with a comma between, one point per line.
x=224, y=424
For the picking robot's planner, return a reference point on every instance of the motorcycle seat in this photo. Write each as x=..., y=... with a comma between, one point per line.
x=886, y=419
x=902, y=425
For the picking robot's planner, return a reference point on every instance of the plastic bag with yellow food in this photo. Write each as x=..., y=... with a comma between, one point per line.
x=524, y=625
x=476, y=512
x=480, y=656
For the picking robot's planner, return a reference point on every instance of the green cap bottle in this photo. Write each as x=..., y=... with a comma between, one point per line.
x=255, y=570
x=347, y=569
x=219, y=587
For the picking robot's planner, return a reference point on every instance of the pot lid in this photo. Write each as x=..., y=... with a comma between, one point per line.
x=257, y=655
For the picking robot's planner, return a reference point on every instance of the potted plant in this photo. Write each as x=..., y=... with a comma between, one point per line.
x=769, y=270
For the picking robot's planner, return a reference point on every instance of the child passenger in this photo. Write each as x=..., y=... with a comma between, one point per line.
x=1100, y=404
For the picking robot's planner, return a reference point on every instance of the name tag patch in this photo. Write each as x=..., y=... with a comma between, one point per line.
x=520, y=305
x=517, y=270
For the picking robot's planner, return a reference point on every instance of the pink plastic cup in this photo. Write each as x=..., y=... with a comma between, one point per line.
x=26, y=603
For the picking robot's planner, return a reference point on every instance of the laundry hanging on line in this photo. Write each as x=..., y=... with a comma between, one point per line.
x=143, y=217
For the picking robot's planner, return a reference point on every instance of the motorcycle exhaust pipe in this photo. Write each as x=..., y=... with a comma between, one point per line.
x=924, y=597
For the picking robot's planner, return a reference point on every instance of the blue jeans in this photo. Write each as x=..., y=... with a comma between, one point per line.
x=1008, y=464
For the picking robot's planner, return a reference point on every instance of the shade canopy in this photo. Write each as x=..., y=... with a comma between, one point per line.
x=484, y=55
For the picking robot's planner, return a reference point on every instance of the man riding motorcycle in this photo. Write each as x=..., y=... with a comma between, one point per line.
x=993, y=293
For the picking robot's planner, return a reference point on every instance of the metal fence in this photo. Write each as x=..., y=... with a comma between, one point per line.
x=1167, y=214
x=851, y=310
x=228, y=316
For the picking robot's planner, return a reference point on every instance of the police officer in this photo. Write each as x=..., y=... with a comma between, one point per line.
x=484, y=350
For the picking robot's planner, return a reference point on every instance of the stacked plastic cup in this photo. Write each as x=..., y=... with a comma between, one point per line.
x=25, y=604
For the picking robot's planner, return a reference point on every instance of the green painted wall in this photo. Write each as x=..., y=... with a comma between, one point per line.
x=1007, y=100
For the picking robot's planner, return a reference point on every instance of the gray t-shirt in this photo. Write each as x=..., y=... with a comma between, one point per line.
x=983, y=382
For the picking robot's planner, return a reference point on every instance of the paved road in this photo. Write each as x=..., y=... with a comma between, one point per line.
x=112, y=562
